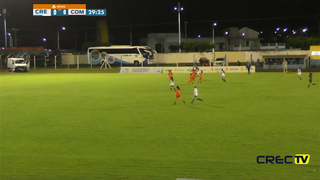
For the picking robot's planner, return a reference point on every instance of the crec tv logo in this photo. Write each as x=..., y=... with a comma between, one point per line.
x=298, y=159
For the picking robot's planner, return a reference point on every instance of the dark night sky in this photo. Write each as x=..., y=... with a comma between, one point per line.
x=158, y=16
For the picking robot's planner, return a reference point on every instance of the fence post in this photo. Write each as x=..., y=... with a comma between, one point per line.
x=214, y=57
x=55, y=62
x=225, y=60
x=121, y=61
x=78, y=57
x=68, y=62
x=157, y=59
x=194, y=57
x=45, y=62
x=90, y=61
x=34, y=62
x=177, y=59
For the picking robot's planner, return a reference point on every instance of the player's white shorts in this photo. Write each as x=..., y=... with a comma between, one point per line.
x=299, y=74
x=222, y=77
x=172, y=84
x=195, y=96
x=198, y=73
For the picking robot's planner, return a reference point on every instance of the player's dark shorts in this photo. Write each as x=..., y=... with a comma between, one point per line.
x=310, y=80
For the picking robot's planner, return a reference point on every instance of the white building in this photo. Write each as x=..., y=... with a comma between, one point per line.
x=244, y=37
x=161, y=41
x=235, y=39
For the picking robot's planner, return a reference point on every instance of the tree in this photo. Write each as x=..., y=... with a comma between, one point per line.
x=173, y=48
x=302, y=42
x=187, y=47
x=86, y=45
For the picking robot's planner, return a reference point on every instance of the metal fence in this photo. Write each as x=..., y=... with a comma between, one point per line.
x=76, y=62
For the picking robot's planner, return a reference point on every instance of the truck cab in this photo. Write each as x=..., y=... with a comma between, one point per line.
x=17, y=64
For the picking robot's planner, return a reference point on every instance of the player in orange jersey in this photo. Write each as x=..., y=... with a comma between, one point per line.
x=178, y=95
x=191, y=79
x=200, y=77
x=193, y=74
x=170, y=74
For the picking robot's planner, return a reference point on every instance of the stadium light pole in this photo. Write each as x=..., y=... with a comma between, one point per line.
x=185, y=29
x=10, y=40
x=15, y=36
x=5, y=27
x=179, y=9
x=214, y=25
x=275, y=35
x=44, y=42
x=305, y=30
x=294, y=32
x=58, y=34
x=75, y=39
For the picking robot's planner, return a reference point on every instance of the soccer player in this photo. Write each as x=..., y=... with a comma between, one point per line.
x=200, y=77
x=178, y=95
x=299, y=73
x=310, y=80
x=197, y=70
x=171, y=83
x=285, y=66
x=248, y=67
x=223, y=75
x=195, y=94
x=191, y=79
x=193, y=74
x=170, y=74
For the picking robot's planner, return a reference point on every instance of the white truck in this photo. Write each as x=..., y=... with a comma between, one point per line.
x=17, y=64
x=219, y=62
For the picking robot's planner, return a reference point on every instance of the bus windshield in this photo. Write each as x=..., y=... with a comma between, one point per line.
x=147, y=53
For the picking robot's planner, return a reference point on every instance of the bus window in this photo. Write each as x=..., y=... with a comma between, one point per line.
x=122, y=51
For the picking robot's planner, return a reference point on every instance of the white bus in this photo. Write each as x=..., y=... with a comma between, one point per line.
x=125, y=55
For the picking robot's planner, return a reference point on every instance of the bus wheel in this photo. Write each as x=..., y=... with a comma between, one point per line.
x=136, y=63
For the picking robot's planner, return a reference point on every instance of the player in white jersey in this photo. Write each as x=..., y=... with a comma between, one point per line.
x=223, y=75
x=171, y=83
x=299, y=73
x=195, y=94
x=285, y=66
x=197, y=70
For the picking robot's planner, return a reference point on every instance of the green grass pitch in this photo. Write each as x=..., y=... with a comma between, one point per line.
x=125, y=126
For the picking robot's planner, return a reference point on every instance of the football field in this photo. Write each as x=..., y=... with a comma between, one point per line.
x=125, y=126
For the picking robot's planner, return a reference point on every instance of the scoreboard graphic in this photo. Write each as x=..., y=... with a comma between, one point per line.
x=66, y=10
